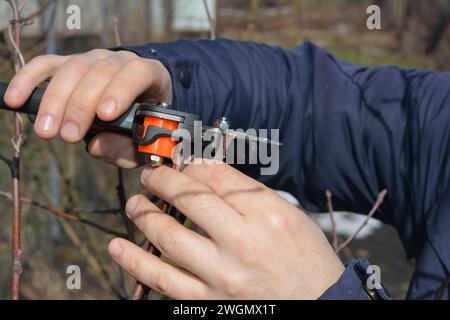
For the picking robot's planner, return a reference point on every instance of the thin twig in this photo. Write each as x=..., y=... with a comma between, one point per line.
x=15, y=32
x=374, y=209
x=211, y=20
x=120, y=188
x=60, y=213
x=29, y=19
x=348, y=254
x=121, y=195
x=116, y=31
x=333, y=221
x=93, y=211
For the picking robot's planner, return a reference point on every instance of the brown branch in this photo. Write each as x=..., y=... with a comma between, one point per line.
x=60, y=213
x=15, y=32
x=120, y=188
x=211, y=20
x=116, y=31
x=29, y=19
x=374, y=209
x=333, y=221
x=93, y=211
x=121, y=195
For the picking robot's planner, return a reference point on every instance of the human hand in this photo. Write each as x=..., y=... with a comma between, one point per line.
x=100, y=82
x=259, y=246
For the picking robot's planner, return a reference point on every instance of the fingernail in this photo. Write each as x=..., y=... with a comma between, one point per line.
x=108, y=107
x=12, y=94
x=70, y=130
x=146, y=173
x=114, y=248
x=45, y=122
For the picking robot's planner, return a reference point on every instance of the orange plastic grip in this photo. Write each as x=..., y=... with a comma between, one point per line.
x=162, y=146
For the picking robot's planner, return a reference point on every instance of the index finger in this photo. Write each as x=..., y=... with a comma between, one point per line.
x=235, y=188
x=30, y=76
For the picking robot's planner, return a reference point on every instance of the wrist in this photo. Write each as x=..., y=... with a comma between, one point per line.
x=328, y=278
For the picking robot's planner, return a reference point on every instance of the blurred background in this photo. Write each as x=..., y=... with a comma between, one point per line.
x=414, y=34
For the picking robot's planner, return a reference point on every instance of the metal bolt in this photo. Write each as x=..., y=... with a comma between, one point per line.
x=154, y=160
x=164, y=105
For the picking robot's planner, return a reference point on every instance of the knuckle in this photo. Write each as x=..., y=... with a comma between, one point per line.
x=161, y=281
x=204, y=201
x=142, y=64
x=203, y=198
x=276, y=222
x=218, y=174
x=229, y=283
x=133, y=207
x=231, y=290
x=169, y=238
x=134, y=265
x=54, y=95
x=217, y=215
x=80, y=104
x=106, y=68
x=127, y=54
x=77, y=61
x=99, y=53
x=138, y=62
x=200, y=196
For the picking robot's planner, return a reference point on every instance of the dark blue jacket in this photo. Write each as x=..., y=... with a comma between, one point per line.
x=352, y=130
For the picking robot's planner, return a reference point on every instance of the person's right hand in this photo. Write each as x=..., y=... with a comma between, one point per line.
x=100, y=82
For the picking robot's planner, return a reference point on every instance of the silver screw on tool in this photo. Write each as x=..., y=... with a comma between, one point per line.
x=154, y=160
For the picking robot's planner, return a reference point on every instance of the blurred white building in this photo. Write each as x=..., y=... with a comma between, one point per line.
x=138, y=21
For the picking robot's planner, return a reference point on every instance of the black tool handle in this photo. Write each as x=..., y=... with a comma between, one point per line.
x=30, y=107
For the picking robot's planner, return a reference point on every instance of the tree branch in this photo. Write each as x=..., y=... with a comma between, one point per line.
x=93, y=211
x=116, y=31
x=374, y=209
x=15, y=32
x=60, y=213
x=121, y=194
x=29, y=19
x=333, y=221
x=211, y=20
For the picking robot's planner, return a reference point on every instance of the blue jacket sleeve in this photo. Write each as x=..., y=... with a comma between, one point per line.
x=345, y=128
x=358, y=282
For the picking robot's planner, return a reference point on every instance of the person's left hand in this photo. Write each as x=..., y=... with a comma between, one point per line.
x=259, y=246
